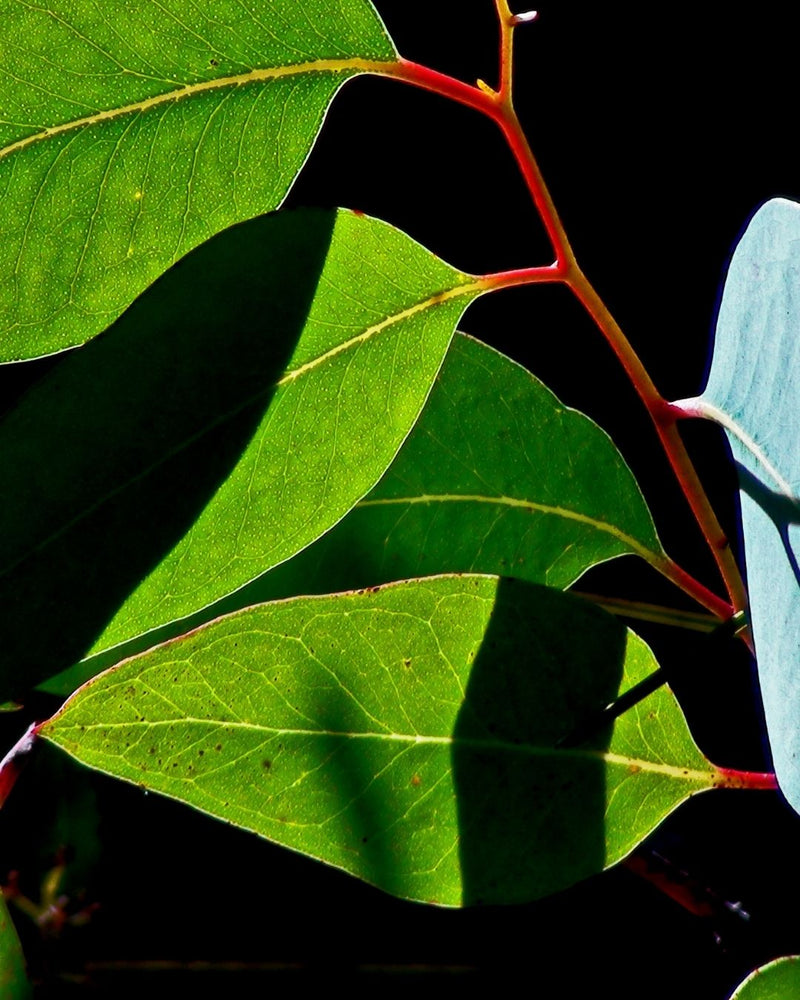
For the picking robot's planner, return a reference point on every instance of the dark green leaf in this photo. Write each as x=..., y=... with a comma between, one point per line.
x=497, y=476
x=130, y=133
x=407, y=735
x=14, y=983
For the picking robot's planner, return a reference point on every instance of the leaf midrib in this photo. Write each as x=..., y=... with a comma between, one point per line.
x=454, y=742
x=430, y=302
x=261, y=75
x=650, y=555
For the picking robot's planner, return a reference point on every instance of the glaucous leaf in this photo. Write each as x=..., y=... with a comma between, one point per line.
x=778, y=980
x=497, y=476
x=234, y=413
x=130, y=133
x=410, y=734
x=754, y=392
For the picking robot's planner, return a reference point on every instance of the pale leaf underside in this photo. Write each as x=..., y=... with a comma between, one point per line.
x=754, y=392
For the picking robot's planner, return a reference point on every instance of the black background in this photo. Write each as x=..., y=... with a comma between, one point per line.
x=660, y=131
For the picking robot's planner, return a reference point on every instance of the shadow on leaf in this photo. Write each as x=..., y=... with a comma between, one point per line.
x=532, y=819
x=109, y=460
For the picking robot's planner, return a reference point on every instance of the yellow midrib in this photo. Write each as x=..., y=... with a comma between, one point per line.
x=432, y=301
x=469, y=287
x=650, y=555
x=635, y=764
x=262, y=75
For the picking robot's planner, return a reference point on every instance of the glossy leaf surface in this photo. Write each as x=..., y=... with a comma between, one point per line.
x=754, y=392
x=497, y=476
x=233, y=414
x=407, y=734
x=779, y=980
x=130, y=133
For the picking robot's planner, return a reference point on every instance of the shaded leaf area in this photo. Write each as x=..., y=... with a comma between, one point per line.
x=754, y=392
x=14, y=982
x=233, y=414
x=779, y=980
x=129, y=134
x=406, y=734
x=497, y=476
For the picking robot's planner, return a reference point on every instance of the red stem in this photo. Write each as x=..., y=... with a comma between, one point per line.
x=497, y=106
x=758, y=780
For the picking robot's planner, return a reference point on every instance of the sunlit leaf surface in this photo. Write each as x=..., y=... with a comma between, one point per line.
x=409, y=735
x=497, y=476
x=238, y=410
x=779, y=980
x=131, y=132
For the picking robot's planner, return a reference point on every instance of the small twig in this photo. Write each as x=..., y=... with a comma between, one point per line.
x=595, y=722
x=498, y=106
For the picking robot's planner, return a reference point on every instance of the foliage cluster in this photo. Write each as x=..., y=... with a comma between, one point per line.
x=302, y=555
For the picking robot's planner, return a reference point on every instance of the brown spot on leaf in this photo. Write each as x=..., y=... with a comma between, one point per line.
x=416, y=781
x=266, y=764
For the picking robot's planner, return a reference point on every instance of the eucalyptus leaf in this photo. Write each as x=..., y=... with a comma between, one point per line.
x=754, y=392
x=778, y=980
x=408, y=734
x=497, y=476
x=130, y=133
x=14, y=983
x=235, y=412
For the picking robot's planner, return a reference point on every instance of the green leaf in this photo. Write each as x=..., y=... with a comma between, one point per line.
x=405, y=734
x=130, y=133
x=778, y=980
x=754, y=392
x=14, y=983
x=233, y=414
x=497, y=476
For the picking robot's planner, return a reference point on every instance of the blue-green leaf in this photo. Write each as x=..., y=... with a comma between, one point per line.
x=753, y=391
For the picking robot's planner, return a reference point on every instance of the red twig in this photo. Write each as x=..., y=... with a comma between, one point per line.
x=498, y=106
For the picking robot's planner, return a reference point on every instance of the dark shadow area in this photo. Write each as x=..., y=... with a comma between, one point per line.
x=532, y=823
x=114, y=454
x=781, y=509
x=340, y=560
x=364, y=811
